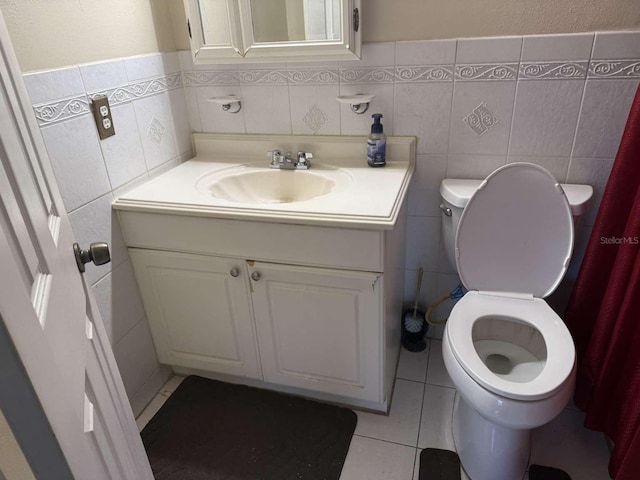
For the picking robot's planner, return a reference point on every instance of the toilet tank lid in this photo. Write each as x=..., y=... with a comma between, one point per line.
x=458, y=191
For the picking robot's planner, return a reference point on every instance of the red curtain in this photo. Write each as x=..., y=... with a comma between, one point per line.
x=604, y=311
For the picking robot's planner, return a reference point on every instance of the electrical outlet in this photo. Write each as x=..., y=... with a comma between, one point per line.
x=102, y=116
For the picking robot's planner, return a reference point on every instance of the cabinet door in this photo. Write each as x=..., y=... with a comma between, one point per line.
x=199, y=311
x=319, y=329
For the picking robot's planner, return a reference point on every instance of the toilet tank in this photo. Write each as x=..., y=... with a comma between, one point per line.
x=455, y=194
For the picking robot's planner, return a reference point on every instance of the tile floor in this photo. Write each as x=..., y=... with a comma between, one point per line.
x=388, y=447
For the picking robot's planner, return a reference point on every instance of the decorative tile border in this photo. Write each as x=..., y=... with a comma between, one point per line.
x=553, y=70
x=614, y=69
x=116, y=95
x=156, y=85
x=430, y=73
x=263, y=77
x=210, y=77
x=61, y=110
x=314, y=76
x=500, y=71
x=368, y=75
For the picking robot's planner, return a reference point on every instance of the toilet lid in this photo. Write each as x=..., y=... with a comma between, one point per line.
x=516, y=233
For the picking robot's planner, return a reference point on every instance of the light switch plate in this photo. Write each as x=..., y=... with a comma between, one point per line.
x=102, y=116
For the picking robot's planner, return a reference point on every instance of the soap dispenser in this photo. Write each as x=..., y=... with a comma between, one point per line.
x=376, y=143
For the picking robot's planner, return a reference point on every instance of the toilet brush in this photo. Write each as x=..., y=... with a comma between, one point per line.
x=413, y=325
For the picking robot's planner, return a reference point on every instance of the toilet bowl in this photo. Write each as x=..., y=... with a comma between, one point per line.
x=508, y=353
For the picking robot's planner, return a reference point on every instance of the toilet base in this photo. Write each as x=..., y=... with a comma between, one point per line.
x=488, y=451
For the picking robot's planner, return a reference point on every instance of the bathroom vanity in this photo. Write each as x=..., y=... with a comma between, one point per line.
x=285, y=279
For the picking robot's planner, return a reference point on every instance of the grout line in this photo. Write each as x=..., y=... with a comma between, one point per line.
x=515, y=98
x=452, y=103
x=385, y=441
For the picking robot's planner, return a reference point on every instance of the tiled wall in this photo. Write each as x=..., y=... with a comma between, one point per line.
x=560, y=101
x=152, y=135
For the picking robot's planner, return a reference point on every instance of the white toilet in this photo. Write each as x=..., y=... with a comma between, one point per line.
x=508, y=353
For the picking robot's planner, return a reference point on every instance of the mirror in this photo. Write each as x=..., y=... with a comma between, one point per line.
x=236, y=31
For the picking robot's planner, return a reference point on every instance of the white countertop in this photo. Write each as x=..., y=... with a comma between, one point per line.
x=372, y=197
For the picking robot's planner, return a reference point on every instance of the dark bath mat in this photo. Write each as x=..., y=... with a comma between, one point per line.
x=436, y=464
x=218, y=431
x=537, y=472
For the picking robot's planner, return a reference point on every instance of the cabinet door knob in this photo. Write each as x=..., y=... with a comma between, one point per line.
x=256, y=276
x=234, y=272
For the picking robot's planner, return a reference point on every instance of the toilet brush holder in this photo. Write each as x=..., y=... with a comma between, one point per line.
x=414, y=328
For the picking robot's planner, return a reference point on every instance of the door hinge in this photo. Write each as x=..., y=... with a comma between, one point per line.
x=189, y=28
x=356, y=20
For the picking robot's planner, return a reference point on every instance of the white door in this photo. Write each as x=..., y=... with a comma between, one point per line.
x=319, y=329
x=199, y=311
x=49, y=317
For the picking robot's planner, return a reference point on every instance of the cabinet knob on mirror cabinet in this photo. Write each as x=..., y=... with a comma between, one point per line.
x=256, y=276
x=234, y=272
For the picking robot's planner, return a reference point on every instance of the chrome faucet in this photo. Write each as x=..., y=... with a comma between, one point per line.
x=288, y=162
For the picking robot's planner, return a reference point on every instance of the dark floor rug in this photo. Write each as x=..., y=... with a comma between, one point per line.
x=436, y=464
x=219, y=431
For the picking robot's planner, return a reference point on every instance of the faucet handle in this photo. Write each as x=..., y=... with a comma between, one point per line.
x=304, y=160
x=274, y=153
x=305, y=156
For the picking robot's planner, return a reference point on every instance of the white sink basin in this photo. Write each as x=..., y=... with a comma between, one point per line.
x=246, y=184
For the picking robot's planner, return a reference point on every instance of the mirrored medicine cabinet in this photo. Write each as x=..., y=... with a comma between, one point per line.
x=254, y=31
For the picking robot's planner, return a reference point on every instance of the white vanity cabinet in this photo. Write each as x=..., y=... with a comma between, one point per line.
x=304, y=296
x=199, y=311
x=318, y=329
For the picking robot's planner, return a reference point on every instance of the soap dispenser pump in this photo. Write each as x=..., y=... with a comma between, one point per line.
x=376, y=143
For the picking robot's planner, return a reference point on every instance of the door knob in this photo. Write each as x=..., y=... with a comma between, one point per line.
x=256, y=276
x=234, y=272
x=98, y=253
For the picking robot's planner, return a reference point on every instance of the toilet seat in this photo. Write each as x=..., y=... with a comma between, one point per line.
x=533, y=312
x=512, y=247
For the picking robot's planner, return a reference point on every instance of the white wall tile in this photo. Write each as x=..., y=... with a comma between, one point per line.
x=545, y=117
x=97, y=222
x=377, y=460
x=123, y=152
x=402, y=423
x=119, y=301
x=193, y=108
x=314, y=109
x=77, y=160
x=102, y=76
x=557, y=166
x=354, y=124
x=594, y=172
x=604, y=114
x=157, y=130
x=212, y=118
x=427, y=289
x=373, y=55
x=266, y=108
x=481, y=117
x=489, y=50
x=181, y=122
x=146, y=394
x=428, y=52
x=136, y=357
x=424, y=191
x=615, y=45
x=557, y=47
x=152, y=65
x=475, y=167
x=423, y=237
x=50, y=85
x=424, y=110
